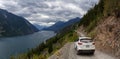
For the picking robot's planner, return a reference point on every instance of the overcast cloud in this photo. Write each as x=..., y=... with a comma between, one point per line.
x=47, y=12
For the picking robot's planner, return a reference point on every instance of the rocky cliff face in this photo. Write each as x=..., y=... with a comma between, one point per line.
x=13, y=25
x=108, y=35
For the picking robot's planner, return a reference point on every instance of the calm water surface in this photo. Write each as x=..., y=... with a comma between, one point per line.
x=16, y=45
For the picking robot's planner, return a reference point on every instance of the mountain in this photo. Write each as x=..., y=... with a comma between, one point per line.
x=56, y=26
x=13, y=25
x=39, y=26
x=60, y=25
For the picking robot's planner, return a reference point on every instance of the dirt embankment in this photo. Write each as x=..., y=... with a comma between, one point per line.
x=108, y=35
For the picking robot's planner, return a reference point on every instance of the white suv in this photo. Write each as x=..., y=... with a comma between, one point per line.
x=85, y=45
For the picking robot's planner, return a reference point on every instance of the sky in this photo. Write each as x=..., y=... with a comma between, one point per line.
x=48, y=12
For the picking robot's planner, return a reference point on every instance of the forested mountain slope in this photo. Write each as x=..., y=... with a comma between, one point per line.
x=13, y=25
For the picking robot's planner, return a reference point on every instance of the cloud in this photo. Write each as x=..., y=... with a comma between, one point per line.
x=47, y=12
x=44, y=24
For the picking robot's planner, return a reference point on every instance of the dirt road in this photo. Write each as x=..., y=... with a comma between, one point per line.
x=68, y=52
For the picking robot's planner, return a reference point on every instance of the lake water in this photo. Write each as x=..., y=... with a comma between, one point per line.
x=16, y=45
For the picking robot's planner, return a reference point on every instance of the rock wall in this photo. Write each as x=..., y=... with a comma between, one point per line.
x=108, y=35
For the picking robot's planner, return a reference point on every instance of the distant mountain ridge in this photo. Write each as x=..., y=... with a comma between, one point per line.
x=38, y=26
x=13, y=25
x=60, y=25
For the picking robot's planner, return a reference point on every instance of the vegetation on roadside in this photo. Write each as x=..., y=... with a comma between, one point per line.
x=89, y=22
